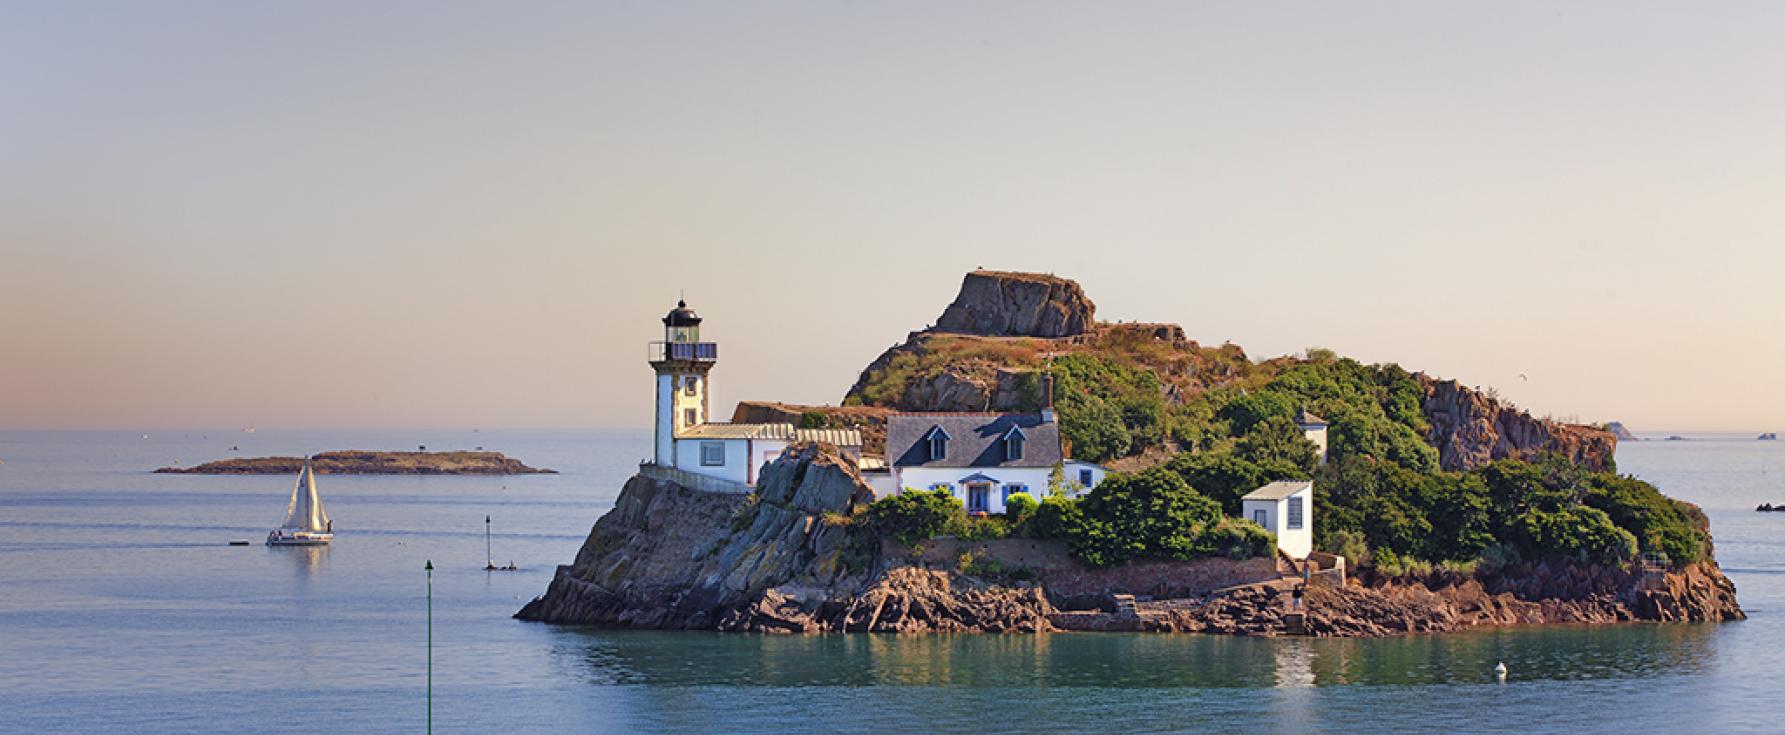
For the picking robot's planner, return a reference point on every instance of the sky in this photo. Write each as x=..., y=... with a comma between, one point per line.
x=440, y=214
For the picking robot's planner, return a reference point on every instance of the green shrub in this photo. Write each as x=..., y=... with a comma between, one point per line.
x=1659, y=523
x=1348, y=544
x=1057, y=517
x=1020, y=506
x=1581, y=532
x=980, y=528
x=1235, y=538
x=1498, y=557
x=913, y=516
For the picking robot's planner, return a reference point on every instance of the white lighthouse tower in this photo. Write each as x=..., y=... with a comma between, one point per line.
x=682, y=362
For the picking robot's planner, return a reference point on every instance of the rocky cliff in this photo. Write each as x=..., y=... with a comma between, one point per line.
x=1471, y=428
x=777, y=561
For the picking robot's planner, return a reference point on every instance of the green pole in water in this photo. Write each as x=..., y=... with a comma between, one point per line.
x=488, y=555
x=430, y=569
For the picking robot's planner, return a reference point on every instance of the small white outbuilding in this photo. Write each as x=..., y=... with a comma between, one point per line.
x=1285, y=508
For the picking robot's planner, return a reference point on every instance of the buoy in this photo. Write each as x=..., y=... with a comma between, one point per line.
x=1500, y=670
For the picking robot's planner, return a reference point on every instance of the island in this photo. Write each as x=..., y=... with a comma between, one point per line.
x=1771, y=436
x=359, y=462
x=1020, y=466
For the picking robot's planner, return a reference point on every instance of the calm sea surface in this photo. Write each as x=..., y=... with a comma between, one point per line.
x=123, y=610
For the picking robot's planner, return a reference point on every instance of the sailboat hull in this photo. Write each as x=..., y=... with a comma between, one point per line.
x=300, y=538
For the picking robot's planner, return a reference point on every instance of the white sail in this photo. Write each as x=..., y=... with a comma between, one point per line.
x=305, y=512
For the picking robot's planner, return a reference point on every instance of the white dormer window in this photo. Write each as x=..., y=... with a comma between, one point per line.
x=1013, y=444
x=937, y=440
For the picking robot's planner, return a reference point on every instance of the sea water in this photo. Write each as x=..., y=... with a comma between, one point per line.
x=123, y=609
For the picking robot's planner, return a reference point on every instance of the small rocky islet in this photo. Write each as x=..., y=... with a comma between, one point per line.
x=359, y=462
x=789, y=558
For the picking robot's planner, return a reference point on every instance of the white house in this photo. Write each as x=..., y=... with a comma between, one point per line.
x=1314, y=429
x=1285, y=508
x=737, y=452
x=684, y=437
x=980, y=458
x=1081, y=476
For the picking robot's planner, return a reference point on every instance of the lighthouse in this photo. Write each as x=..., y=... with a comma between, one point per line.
x=681, y=362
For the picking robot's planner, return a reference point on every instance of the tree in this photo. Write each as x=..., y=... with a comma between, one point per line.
x=1278, y=442
x=1108, y=409
x=1222, y=476
x=1094, y=429
x=1247, y=411
x=1152, y=514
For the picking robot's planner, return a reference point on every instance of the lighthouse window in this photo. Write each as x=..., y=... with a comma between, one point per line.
x=712, y=454
x=690, y=384
x=688, y=417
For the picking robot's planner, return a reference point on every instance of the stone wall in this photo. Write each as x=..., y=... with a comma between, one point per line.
x=1073, y=583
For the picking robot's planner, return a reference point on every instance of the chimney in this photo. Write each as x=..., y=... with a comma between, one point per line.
x=1047, y=398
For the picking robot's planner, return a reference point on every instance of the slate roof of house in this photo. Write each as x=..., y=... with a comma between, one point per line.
x=782, y=432
x=1303, y=418
x=975, y=439
x=1278, y=490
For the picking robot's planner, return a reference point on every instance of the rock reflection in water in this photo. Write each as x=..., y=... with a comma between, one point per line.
x=1136, y=660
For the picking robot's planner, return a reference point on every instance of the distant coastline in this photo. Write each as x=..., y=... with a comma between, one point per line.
x=359, y=462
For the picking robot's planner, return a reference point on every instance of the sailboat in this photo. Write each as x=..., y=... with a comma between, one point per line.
x=306, y=523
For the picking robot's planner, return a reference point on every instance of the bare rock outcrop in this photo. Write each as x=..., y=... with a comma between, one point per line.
x=1471, y=428
x=1006, y=304
x=670, y=557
